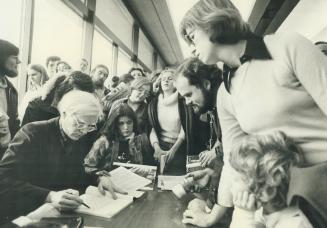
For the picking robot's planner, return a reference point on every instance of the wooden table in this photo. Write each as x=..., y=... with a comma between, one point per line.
x=156, y=209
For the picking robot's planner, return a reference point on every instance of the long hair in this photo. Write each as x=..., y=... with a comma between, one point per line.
x=39, y=68
x=112, y=128
x=219, y=18
x=264, y=161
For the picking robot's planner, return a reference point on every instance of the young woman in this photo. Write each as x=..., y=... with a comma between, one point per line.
x=275, y=82
x=167, y=135
x=36, y=77
x=125, y=144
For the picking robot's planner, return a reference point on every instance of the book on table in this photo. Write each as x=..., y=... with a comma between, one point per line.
x=104, y=205
x=193, y=163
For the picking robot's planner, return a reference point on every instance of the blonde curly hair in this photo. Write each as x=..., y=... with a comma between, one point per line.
x=264, y=162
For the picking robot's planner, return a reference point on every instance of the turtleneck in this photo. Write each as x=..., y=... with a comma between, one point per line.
x=168, y=116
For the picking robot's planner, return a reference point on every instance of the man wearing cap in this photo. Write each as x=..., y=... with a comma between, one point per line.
x=8, y=94
x=44, y=161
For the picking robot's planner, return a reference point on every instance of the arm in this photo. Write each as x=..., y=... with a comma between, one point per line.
x=96, y=155
x=178, y=143
x=231, y=133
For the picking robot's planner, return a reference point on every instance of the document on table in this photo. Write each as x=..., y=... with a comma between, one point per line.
x=127, y=180
x=168, y=182
x=104, y=205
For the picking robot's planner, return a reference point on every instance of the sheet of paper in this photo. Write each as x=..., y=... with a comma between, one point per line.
x=168, y=182
x=127, y=180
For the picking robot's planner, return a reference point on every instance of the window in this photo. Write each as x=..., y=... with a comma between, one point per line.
x=11, y=20
x=102, y=50
x=124, y=63
x=116, y=17
x=57, y=31
x=145, y=50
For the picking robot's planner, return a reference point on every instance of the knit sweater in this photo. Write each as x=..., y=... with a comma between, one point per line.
x=169, y=120
x=286, y=93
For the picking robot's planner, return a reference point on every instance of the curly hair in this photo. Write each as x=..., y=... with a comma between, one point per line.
x=196, y=71
x=264, y=162
x=219, y=18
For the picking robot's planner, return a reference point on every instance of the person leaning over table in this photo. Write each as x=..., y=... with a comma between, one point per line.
x=44, y=161
x=275, y=82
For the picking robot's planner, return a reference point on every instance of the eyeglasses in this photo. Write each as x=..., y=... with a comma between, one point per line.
x=189, y=37
x=83, y=126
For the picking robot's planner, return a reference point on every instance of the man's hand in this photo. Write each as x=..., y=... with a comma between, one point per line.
x=46, y=210
x=144, y=172
x=207, y=157
x=245, y=200
x=197, y=218
x=106, y=184
x=201, y=178
x=197, y=205
x=65, y=200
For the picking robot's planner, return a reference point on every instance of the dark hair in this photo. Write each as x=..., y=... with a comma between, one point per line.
x=112, y=129
x=76, y=80
x=99, y=66
x=126, y=78
x=52, y=59
x=196, y=72
x=62, y=62
x=219, y=18
x=136, y=68
x=7, y=49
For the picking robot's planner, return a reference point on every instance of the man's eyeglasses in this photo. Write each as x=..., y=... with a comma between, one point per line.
x=189, y=37
x=83, y=126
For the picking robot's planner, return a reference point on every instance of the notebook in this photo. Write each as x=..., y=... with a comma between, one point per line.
x=104, y=205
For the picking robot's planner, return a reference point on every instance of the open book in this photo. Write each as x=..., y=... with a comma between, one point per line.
x=104, y=205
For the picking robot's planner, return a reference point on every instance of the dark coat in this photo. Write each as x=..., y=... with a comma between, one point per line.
x=38, y=160
x=38, y=110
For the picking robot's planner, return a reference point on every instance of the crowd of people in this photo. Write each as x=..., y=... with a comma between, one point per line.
x=258, y=124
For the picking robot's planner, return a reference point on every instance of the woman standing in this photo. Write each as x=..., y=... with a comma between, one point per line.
x=167, y=135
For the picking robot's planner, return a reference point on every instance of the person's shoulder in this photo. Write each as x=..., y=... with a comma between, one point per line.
x=284, y=40
x=40, y=127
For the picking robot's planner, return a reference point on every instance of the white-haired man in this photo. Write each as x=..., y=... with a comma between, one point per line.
x=44, y=161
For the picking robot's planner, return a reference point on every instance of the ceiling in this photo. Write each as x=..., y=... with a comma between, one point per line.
x=160, y=20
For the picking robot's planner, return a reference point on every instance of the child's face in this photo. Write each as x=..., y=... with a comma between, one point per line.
x=125, y=125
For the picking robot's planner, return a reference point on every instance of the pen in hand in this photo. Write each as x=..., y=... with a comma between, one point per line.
x=84, y=204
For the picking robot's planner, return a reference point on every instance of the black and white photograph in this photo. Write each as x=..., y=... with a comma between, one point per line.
x=163, y=113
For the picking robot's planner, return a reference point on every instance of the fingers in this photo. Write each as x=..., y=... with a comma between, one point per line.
x=112, y=192
x=101, y=189
x=252, y=201
x=74, y=198
x=188, y=214
x=188, y=221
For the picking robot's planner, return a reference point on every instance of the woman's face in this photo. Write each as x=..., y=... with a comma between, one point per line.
x=167, y=83
x=125, y=125
x=34, y=76
x=204, y=49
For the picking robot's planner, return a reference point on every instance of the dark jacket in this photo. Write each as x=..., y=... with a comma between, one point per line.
x=38, y=110
x=12, y=103
x=38, y=160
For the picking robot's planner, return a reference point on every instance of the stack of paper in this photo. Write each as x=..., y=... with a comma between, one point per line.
x=168, y=182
